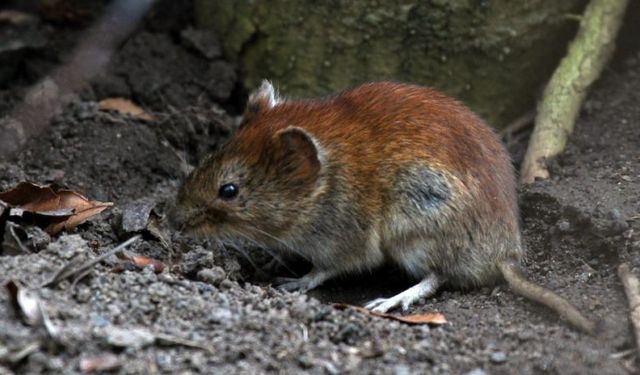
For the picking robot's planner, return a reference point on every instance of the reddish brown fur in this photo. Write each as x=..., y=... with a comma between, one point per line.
x=385, y=171
x=369, y=133
x=362, y=123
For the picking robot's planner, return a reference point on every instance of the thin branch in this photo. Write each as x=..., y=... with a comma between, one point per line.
x=632, y=289
x=69, y=270
x=565, y=92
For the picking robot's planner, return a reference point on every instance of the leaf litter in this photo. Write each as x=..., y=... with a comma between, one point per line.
x=125, y=107
x=50, y=207
x=433, y=318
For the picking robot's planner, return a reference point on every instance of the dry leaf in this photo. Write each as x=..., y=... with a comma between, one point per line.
x=427, y=318
x=28, y=306
x=51, y=208
x=139, y=262
x=12, y=242
x=125, y=107
x=25, y=304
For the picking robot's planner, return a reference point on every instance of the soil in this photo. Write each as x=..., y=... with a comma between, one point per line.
x=219, y=311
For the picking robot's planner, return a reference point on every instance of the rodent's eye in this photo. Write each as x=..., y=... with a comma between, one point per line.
x=228, y=191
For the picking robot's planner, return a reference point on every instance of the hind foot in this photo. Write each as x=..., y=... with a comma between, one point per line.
x=425, y=288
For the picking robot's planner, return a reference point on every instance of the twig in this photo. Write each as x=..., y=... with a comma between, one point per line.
x=68, y=270
x=162, y=338
x=565, y=92
x=632, y=289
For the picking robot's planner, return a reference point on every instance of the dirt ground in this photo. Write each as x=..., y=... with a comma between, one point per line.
x=220, y=313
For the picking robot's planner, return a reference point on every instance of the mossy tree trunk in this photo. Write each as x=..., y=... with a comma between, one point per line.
x=494, y=55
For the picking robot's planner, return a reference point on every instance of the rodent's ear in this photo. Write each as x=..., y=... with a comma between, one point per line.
x=265, y=97
x=301, y=153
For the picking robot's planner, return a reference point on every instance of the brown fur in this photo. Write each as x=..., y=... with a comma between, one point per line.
x=382, y=172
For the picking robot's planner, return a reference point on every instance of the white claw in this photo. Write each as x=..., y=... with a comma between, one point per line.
x=424, y=288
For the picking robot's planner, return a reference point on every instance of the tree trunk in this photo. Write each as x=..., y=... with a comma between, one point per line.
x=494, y=55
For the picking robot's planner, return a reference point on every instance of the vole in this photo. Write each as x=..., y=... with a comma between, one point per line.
x=384, y=172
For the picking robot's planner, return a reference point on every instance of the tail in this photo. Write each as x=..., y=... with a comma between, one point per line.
x=519, y=283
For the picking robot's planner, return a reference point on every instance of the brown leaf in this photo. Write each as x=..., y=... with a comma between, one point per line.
x=31, y=197
x=78, y=218
x=52, y=208
x=142, y=262
x=125, y=107
x=427, y=318
x=139, y=262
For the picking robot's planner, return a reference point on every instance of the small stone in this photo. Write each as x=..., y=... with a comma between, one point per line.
x=135, y=217
x=586, y=273
x=135, y=338
x=204, y=41
x=476, y=371
x=614, y=214
x=305, y=361
x=401, y=370
x=498, y=357
x=221, y=315
x=68, y=245
x=563, y=226
x=227, y=284
x=213, y=275
x=99, y=320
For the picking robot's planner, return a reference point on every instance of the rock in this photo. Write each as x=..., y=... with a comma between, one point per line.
x=563, y=226
x=135, y=216
x=476, y=371
x=134, y=338
x=498, y=357
x=213, y=275
x=204, y=41
x=401, y=370
x=68, y=245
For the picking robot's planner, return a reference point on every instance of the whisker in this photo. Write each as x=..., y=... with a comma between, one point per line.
x=242, y=252
x=272, y=253
x=286, y=246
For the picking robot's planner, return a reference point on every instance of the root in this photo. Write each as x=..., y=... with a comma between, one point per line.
x=562, y=98
x=632, y=290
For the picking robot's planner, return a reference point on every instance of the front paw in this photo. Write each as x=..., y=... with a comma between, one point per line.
x=304, y=283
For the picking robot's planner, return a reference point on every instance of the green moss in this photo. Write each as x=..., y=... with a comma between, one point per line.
x=494, y=55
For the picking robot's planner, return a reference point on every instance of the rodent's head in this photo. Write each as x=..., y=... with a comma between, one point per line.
x=259, y=184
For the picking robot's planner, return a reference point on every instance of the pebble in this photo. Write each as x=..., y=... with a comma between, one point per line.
x=476, y=371
x=136, y=216
x=135, y=338
x=498, y=357
x=68, y=245
x=401, y=370
x=563, y=226
x=213, y=275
